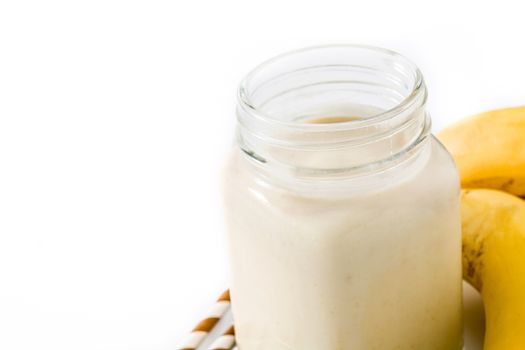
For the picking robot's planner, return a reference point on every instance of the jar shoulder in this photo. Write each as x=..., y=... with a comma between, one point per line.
x=444, y=162
x=436, y=178
x=440, y=150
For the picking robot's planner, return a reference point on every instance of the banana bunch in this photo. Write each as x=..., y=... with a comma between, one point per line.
x=489, y=150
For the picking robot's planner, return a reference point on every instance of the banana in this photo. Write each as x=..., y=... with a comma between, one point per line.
x=493, y=224
x=489, y=149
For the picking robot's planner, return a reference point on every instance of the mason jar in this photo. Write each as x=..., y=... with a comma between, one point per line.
x=342, y=209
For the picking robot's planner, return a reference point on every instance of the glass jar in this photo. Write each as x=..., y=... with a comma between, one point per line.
x=342, y=209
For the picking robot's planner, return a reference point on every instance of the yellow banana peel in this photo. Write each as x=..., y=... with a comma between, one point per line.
x=489, y=150
x=493, y=224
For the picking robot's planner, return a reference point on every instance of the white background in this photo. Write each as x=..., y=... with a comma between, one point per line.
x=115, y=118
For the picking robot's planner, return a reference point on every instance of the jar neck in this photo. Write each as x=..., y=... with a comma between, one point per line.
x=332, y=112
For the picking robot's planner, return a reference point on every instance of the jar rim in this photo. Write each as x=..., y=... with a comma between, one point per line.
x=417, y=89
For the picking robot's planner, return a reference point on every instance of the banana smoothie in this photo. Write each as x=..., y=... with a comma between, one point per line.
x=342, y=210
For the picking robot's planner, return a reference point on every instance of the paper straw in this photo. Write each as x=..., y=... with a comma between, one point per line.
x=201, y=330
x=225, y=342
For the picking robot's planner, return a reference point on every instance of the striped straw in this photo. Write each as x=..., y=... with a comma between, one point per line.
x=225, y=342
x=201, y=330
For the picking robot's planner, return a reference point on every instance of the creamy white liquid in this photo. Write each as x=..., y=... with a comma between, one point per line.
x=376, y=268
